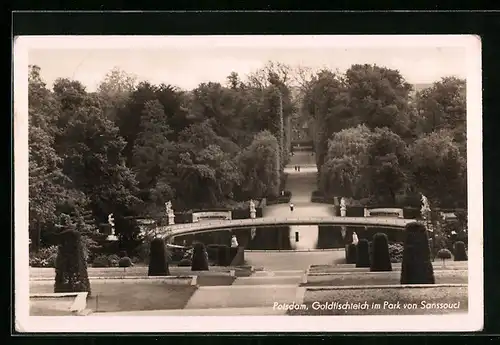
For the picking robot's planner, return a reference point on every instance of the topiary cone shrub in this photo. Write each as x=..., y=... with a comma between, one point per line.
x=381, y=260
x=200, y=258
x=158, y=259
x=460, y=253
x=416, y=267
x=71, y=267
x=351, y=254
x=223, y=256
x=363, y=253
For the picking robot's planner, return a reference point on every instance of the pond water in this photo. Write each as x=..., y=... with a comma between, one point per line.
x=301, y=237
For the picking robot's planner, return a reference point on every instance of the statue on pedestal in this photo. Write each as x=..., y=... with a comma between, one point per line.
x=252, y=209
x=170, y=213
x=343, y=207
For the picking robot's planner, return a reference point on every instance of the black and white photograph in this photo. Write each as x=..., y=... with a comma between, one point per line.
x=248, y=183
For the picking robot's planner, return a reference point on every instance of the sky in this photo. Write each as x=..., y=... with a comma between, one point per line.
x=187, y=65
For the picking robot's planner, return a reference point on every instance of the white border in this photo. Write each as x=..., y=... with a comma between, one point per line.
x=472, y=321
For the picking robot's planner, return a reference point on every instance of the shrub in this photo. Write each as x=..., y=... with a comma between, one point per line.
x=71, y=267
x=223, y=256
x=396, y=252
x=362, y=251
x=45, y=257
x=417, y=266
x=185, y=262
x=158, y=262
x=113, y=260
x=100, y=261
x=460, y=251
x=200, y=258
x=125, y=262
x=351, y=255
x=444, y=254
x=381, y=260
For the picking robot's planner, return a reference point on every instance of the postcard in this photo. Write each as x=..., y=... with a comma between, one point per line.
x=248, y=183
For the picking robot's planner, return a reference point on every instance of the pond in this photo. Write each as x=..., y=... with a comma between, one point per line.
x=302, y=237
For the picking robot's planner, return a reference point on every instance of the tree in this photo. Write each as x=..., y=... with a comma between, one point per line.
x=443, y=106
x=49, y=188
x=438, y=169
x=115, y=90
x=387, y=162
x=378, y=97
x=128, y=119
x=152, y=158
x=71, y=267
x=343, y=172
x=91, y=148
x=381, y=260
x=417, y=266
x=259, y=166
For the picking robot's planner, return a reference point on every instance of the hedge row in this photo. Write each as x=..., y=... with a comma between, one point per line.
x=236, y=213
x=282, y=199
x=318, y=197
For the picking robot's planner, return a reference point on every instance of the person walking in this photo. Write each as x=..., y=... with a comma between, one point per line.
x=291, y=207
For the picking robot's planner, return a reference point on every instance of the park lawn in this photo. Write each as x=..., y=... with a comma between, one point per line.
x=113, y=296
x=222, y=280
x=391, y=295
x=381, y=278
x=453, y=265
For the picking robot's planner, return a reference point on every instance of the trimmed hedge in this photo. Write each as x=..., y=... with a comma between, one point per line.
x=355, y=211
x=363, y=253
x=282, y=199
x=351, y=254
x=417, y=266
x=158, y=263
x=460, y=253
x=183, y=217
x=318, y=197
x=185, y=263
x=125, y=262
x=223, y=256
x=381, y=259
x=70, y=266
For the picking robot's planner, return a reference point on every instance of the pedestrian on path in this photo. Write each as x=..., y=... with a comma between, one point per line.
x=291, y=207
x=298, y=168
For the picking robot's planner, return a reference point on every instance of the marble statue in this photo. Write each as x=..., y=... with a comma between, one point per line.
x=343, y=207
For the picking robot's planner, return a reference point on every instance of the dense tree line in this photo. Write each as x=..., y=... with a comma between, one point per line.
x=129, y=147
x=380, y=142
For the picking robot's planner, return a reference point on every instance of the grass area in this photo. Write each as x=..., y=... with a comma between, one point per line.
x=343, y=267
x=126, y=295
x=315, y=300
x=215, y=280
x=381, y=278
